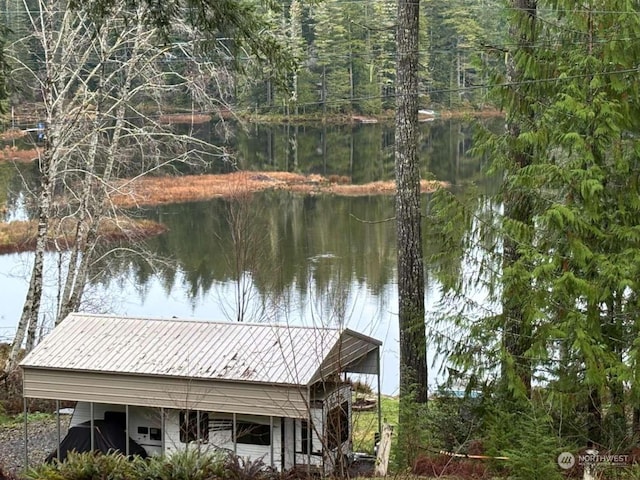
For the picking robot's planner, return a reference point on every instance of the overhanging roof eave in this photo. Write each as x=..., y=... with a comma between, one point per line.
x=173, y=393
x=172, y=377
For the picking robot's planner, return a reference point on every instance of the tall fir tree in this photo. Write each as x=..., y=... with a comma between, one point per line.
x=569, y=215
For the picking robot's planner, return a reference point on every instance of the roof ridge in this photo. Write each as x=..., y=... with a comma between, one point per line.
x=205, y=321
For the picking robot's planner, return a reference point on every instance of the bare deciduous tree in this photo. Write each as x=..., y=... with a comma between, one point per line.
x=104, y=86
x=247, y=257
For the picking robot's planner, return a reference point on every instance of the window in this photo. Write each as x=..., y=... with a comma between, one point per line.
x=117, y=418
x=305, y=436
x=218, y=425
x=338, y=425
x=253, y=433
x=189, y=426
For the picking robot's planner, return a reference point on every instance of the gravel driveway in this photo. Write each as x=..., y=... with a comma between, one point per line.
x=43, y=438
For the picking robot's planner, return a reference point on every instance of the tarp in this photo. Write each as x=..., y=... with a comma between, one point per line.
x=108, y=437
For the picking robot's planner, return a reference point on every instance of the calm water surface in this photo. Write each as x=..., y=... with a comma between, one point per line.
x=312, y=260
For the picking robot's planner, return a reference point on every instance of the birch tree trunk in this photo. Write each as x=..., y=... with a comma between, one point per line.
x=47, y=170
x=94, y=196
x=96, y=75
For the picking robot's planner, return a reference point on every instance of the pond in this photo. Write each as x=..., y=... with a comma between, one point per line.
x=302, y=259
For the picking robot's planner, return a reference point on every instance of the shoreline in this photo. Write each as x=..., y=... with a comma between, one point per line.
x=19, y=236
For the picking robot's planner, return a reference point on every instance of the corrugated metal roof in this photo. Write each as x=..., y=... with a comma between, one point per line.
x=257, y=353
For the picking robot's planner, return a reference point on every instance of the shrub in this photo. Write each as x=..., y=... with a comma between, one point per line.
x=455, y=423
x=361, y=387
x=630, y=473
x=239, y=468
x=527, y=437
x=443, y=465
x=88, y=466
x=186, y=465
x=6, y=475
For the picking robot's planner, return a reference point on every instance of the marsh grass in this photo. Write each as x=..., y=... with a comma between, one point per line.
x=193, y=118
x=14, y=154
x=20, y=236
x=163, y=190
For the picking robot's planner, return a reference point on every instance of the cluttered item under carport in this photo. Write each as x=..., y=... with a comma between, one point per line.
x=108, y=437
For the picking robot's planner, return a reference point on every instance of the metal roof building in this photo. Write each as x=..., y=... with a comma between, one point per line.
x=245, y=368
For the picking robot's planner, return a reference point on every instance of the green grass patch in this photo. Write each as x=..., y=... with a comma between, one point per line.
x=365, y=424
x=12, y=420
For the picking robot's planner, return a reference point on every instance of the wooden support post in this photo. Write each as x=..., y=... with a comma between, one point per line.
x=384, y=449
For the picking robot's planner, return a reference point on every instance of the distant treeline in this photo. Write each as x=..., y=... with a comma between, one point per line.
x=345, y=53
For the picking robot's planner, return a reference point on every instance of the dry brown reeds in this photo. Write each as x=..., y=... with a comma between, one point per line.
x=195, y=118
x=20, y=236
x=163, y=190
x=12, y=134
x=14, y=154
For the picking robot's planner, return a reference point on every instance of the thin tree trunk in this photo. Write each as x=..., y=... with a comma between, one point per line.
x=594, y=417
x=93, y=199
x=413, y=362
x=324, y=90
x=31, y=308
x=79, y=247
x=47, y=170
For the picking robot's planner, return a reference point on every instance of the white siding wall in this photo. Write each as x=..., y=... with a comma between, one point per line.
x=316, y=439
x=223, y=439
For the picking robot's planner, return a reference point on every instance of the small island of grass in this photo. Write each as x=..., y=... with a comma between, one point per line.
x=20, y=236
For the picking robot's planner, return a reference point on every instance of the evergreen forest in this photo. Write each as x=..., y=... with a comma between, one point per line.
x=343, y=54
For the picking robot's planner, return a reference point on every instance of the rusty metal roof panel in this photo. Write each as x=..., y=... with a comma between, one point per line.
x=269, y=353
